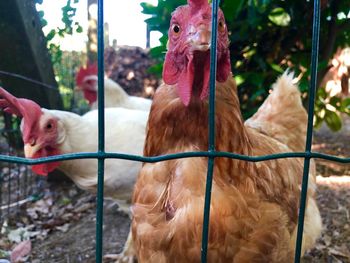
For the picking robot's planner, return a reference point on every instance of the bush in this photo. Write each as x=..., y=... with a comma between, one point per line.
x=267, y=37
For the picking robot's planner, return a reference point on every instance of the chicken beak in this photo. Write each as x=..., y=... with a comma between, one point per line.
x=30, y=150
x=200, y=38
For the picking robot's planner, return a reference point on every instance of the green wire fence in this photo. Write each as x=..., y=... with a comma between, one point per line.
x=211, y=154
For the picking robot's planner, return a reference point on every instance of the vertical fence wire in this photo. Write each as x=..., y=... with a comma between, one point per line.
x=211, y=148
x=312, y=91
x=18, y=188
x=9, y=188
x=101, y=133
x=211, y=130
x=1, y=183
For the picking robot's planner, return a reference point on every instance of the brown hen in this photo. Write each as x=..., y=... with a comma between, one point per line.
x=254, y=207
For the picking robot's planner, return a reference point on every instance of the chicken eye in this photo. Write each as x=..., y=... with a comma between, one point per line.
x=49, y=126
x=176, y=28
x=221, y=26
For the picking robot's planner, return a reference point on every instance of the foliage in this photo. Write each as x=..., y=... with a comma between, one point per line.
x=267, y=37
x=159, y=21
x=65, y=63
x=329, y=108
x=65, y=76
x=70, y=27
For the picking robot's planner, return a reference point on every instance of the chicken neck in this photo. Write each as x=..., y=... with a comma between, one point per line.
x=187, y=126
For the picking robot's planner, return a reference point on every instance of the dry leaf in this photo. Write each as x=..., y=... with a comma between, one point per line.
x=339, y=251
x=63, y=228
x=20, y=251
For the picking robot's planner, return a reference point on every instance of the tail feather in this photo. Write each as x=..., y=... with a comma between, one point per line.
x=282, y=115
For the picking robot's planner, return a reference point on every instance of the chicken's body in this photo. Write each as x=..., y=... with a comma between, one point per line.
x=51, y=132
x=268, y=120
x=125, y=133
x=115, y=95
x=254, y=206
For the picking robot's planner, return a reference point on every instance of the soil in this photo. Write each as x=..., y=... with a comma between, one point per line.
x=78, y=243
x=64, y=224
x=333, y=198
x=131, y=68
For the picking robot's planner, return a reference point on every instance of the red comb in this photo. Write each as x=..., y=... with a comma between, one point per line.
x=28, y=109
x=16, y=106
x=91, y=69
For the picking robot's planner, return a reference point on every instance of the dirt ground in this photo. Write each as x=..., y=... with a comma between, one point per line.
x=333, y=196
x=62, y=224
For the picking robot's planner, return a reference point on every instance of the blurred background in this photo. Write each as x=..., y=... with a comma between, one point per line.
x=43, y=45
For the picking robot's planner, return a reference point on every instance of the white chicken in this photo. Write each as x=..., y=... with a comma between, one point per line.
x=51, y=132
x=115, y=95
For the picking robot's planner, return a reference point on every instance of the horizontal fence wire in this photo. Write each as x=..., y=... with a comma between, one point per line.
x=160, y=158
x=211, y=154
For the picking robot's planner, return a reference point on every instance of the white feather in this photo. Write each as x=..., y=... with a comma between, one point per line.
x=124, y=133
x=115, y=96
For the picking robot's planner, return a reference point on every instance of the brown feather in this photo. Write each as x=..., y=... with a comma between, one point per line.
x=254, y=207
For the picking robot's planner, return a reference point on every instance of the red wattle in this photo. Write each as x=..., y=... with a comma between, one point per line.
x=90, y=95
x=45, y=168
x=171, y=69
x=185, y=83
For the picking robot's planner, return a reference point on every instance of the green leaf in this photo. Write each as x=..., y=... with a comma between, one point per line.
x=276, y=67
x=322, y=65
x=43, y=22
x=232, y=9
x=156, y=69
x=335, y=102
x=61, y=32
x=79, y=29
x=51, y=35
x=157, y=52
x=333, y=120
x=148, y=8
x=321, y=93
x=279, y=17
x=254, y=78
x=345, y=106
x=239, y=79
x=41, y=14
x=317, y=122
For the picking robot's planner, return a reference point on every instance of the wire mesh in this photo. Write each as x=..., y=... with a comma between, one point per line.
x=211, y=154
x=17, y=183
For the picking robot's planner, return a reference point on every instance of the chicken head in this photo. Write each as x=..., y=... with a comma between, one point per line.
x=86, y=80
x=40, y=130
x=187, y=61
